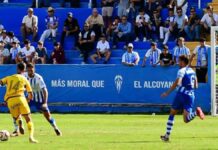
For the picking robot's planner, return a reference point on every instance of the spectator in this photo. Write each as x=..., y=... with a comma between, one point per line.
x=41, y=54
x=107, y=11
x=103, y=50
x=151, y=6
x=134, y=6
x=1, y=28
x=14, y=52
x=96, y=23
x=58, y=55
x=122, y=7
x=73, y=3
x=209, y=19
x=123, y=32
x=71, y=28
x=156, y=22
x=179, y=4
x=181, y=49
x=130, y=58
x=52, y=25
x=112, y=28
x=4, y=54
x=201, y=52
x=86, y=42
x=153, y=54
x=167, y=28
x=27, y=51
x=179, y=23
x=192, y=29
x=29, y=25
x=41, y=3
x=12, y=39
x=166, y=59
x=142, y=26
x=4, y=37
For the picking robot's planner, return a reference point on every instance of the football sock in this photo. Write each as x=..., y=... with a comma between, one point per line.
x=30, y=127
x=191, y=116
x=53, y=123
x=170, y=123
x=15, y=124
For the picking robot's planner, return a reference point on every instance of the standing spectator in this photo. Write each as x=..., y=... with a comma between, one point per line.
x=73, y=3
x=41, y=54
x=142, y=27
x=130, y=58
x=122, y=7
x=151, y=6
x=209, y=19
x=4, y=54
x=14, y=52
x=192, y=29
x=86, y=42
x=112, y=28
x=179, y=4
x=58, y=56
x=52, y=25
x=96, y=23
x=180, y=22
x=156, y=22
x=167, y=28
x=12, y=39
x=71, y=28
x=103, y=50
x=4, y=37
x=181, y=49
x=166, y=59
x=107, y=11
x=123, y=32
x=29, y=25
x=27, y=51
x=201, y=52
x=153, y=54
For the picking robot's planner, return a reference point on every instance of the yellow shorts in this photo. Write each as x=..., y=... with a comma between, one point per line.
x=18, y=106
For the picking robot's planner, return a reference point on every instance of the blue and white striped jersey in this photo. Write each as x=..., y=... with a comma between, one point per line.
x=37, y=83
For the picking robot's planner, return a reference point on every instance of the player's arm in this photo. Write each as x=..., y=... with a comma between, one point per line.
x=3, y=81
x=196, y=83
x=29, y=90
x=173, y=87
x=45, y=93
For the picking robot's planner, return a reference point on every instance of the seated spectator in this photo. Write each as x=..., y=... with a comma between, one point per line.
x=153, y=54
x=192, y=29
x=201, y=51
x=12, y=39
x=130, y=58
x=86, y=42
x=27, y=52
x=71, y=28
x=122, y=8
x=209, y=19
x=52, y=25
x=142, y=27
x=179, y=50
x=41, y=54
x=167, y=27
x=29, y=25
x=14, y=52
x=156, y=22
x=112, y=28
x=123, y=33
x=179, y=23
x=4, y=54
x=73, y=3
x=133, y=10
x=151, y=6
x=166, y=59
x=96, y=23
x=41, y=3
x=4, y=37
x=58, y=56
x=179, y=4
x=107, y=11
x=103, y=50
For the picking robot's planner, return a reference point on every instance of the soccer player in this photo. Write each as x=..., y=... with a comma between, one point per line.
x=40, y=96
x=16, y=85
x=186, y=82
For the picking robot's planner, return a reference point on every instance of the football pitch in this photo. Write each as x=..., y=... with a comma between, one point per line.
x=114, y=132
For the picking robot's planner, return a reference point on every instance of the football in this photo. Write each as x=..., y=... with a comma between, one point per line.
x=4, y=135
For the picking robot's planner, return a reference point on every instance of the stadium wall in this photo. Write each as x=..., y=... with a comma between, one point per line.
x=109, y=88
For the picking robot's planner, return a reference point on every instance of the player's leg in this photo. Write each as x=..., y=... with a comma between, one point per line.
x=18, y=125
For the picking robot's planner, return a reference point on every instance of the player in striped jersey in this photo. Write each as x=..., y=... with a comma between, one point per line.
x=40, y=95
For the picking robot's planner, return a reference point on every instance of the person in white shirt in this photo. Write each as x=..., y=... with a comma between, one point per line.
x=209, y=19
x=4, y=37
x=183, y=4
x=201, y=51
x=4, y=54
x=142, y=25
x=14, y=52
x=103, y=50
x=179, y=50
x=29, y=25
x=27, y=51
x=153, y=54
x=130, y=58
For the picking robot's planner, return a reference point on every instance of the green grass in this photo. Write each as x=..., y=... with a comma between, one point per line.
x=114, y=132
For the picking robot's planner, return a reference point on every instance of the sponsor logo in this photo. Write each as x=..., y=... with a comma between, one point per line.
x=118, y=80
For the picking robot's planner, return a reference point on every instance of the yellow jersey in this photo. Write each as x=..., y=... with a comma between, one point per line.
x=16, y=85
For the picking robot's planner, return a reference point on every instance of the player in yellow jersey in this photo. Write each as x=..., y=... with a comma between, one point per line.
x=16, y=85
